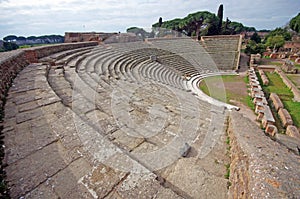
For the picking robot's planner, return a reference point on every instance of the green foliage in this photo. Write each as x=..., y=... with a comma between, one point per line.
x=160, y=21
x=295, y=23
x=227, y=175
x=205, y=21
x=140, y=32
x=34, y=39
x=280, y=31
x=10, y=38
x=277, y=86
x=255, y=37
x=253, y=48
x=220, y=16
x=232, y=27
x=8, y=46
x=276, y=41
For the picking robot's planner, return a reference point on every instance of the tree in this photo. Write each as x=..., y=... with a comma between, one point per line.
x=276, y=41
x=7, y=46
x=220, y=16
x=160, y=22
x=10, y=38
x=253, y=48
x=255, y=37
x=280, y=31
x=295, y=23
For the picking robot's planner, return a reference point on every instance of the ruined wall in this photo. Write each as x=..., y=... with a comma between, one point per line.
x=260, y=167
x=289, y=84
x=10, y=64
x=86, y=36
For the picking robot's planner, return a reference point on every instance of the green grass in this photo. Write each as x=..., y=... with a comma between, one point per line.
x=277, y=86
x=294, y=110
x=297, y=66
x=215, y=92
x=275, y=63
x=218, y=93
x=227, y=174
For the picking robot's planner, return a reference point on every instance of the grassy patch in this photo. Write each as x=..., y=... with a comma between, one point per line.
x=277, y=86
x=275, y=63
x=212, y=86
x=227, y=174
x=219, y=87
x=294, y=110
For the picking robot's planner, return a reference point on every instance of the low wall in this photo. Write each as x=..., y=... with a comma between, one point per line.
x=289, y=84
x=260, y=167
x=35, y=53
x=14, y=61
x=10, y=64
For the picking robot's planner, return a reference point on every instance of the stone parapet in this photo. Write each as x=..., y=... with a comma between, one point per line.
x=260, y=167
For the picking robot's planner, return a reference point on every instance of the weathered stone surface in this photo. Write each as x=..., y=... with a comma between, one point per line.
x=42, y=191
x=271, y=130
x=266, y=168
x=66, y=182
x=292, y=143
x=276, y=101
x=27, y=173
x=292, y=131
x=285, y=117
x=103, y=180
x=32, y=139
x=192, y=178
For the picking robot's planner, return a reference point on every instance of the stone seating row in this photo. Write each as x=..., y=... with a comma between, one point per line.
x=121, y=64
x=57, y=131
x=85, y=99
x=193, y=85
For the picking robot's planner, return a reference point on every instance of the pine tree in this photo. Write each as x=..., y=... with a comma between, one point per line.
x=220, y=16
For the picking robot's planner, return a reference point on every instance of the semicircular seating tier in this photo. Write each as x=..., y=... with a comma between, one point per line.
x=120, y=121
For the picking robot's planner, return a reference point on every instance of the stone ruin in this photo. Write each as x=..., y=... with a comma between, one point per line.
x=276, y=101
x=288, y=67
x=285, y=117
x=85, y=120
x=264, y=78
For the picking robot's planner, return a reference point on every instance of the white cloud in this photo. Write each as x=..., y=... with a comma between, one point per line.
x=35, y=17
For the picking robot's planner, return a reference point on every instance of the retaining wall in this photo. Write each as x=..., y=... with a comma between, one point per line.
x=289, y=84
x=260, y=167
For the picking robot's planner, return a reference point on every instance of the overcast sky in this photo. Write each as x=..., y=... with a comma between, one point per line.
x=40, y=17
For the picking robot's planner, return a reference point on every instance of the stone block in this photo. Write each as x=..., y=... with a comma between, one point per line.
x=271, y=130
x=276, y=101
x=292, y=131
x=285, y=117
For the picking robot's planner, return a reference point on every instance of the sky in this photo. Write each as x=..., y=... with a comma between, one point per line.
x=45, y=17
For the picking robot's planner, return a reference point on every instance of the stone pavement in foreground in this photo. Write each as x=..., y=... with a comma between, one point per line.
x=53, y=151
